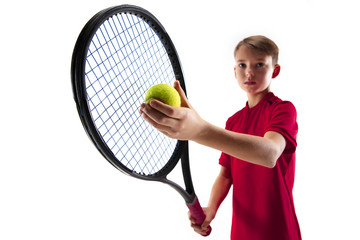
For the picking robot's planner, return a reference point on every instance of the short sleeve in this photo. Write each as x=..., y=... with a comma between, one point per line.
x=225, y=159
x=282, y=119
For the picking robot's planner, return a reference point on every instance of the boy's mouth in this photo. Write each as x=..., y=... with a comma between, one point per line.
x=250, y=83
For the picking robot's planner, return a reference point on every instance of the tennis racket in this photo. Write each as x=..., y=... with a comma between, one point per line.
x=119, y=54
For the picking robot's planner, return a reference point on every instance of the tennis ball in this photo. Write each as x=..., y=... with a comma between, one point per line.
x=164, y=93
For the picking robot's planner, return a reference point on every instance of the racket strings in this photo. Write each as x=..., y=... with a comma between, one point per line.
x=124, y=59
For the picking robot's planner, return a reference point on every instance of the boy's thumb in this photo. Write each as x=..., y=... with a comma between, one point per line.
x=205, y=224
x=184, y=100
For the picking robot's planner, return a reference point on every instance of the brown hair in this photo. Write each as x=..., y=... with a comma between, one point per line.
x=261, y=44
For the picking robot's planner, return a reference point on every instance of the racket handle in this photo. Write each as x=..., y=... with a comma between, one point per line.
x=198, y=214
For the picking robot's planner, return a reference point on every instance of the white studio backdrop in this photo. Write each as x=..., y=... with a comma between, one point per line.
x=55, y=185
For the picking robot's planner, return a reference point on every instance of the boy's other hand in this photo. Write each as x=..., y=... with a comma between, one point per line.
x=203, y=229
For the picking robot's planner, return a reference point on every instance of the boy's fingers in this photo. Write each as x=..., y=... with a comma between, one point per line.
x=157, y=110
x=197, y=228
x=205, y=225
x=172, y=112
x=156, y=119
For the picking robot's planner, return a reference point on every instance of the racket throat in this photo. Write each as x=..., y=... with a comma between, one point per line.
x=189, y=196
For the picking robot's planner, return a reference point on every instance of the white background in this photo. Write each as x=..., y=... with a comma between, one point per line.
x=55, y=185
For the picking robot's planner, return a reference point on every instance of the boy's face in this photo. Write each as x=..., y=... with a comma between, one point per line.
x=254, y=70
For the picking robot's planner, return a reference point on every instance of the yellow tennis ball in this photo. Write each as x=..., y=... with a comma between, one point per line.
x=164, y=93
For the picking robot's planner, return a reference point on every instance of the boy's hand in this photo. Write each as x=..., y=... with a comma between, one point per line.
x=181, y=123
x=203, y=229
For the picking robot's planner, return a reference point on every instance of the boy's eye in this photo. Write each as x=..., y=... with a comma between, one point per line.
x=242, y=65
x=260, y=64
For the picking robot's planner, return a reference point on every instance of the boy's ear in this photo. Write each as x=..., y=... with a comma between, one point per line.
x=276, y=71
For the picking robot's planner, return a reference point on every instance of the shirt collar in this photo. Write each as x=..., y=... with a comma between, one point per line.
x=264, y=99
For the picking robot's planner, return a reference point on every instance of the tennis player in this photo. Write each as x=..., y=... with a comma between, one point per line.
x=258, y=147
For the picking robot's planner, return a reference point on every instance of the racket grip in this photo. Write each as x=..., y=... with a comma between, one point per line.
x=198, y=214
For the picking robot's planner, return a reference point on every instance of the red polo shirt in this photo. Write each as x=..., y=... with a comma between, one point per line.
x=263, y=207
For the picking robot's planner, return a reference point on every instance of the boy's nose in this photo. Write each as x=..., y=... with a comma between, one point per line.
x=250, y=73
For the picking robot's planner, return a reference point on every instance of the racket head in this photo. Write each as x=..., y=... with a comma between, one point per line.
x=119, y=54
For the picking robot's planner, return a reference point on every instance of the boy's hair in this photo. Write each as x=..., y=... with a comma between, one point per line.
x=261, y=44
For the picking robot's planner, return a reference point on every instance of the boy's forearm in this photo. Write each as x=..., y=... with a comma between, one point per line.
x=219, y=191
x=254, y=149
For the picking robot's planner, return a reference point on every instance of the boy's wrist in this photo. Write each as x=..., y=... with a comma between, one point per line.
x=203, y=133
x=212, y=210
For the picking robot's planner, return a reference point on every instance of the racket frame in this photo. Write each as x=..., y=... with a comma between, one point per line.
x=78, y=66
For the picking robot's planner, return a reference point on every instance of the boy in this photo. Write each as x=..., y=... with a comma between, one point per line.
x=258, y=148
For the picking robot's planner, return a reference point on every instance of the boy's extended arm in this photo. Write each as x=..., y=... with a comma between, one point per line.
x=185, y=124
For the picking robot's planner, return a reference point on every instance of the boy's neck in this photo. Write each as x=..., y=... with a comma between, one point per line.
x=254, y=99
